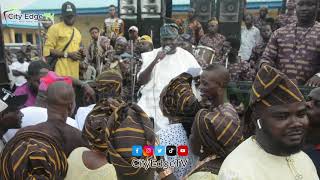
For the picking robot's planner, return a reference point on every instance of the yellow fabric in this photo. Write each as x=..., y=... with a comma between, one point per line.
x=57, y=37
x=77, y=170
x=203, y=176
x=146, y=38
x=250, y=162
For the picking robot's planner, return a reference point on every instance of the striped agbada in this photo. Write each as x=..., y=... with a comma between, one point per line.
x=219, y=133
x=270, y=88
x=109, y=84
x=295, y=51
x=33, y=155
x=128, y=126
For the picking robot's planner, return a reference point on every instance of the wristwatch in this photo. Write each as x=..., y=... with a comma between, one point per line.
x=65, y=55
x=165, y=173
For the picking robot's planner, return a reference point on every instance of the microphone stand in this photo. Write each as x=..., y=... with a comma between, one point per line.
x=133, y=69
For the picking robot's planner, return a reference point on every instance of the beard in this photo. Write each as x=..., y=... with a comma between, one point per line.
x=280, y=146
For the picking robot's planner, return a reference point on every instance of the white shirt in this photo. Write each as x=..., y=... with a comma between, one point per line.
x=249, y=39
x=82, y=114
x=250, y=162
x=19, y=80
x=168, y=68
x=31, y=116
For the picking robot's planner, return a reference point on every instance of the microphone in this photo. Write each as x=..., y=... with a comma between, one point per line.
x=166, y=49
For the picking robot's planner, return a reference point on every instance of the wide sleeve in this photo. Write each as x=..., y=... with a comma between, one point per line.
x=271, y=52
x=51, y=42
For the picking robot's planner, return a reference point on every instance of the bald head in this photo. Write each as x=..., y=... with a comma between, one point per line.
x=220, y=72
x=60, y=93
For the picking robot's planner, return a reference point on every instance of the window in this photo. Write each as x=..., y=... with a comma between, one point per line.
x=30, y=38
x=18, y=37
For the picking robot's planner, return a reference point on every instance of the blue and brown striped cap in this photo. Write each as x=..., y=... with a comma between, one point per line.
x=271, y=87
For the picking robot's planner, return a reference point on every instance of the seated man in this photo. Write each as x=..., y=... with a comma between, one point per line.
x=278, y=113
x=312, y=147
x=10, y=115
x=41, y=151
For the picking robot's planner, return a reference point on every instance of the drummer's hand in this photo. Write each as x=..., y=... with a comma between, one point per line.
x=314, y=81
x=89, y=93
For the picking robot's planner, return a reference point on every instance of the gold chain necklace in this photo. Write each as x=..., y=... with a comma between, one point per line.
x=290, y=162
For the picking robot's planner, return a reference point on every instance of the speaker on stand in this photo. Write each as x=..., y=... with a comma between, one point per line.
x=230, y=13
x=204, y=11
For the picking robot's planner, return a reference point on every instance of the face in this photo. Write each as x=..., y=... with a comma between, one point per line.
x=210, y=85
x=69, y=19
x=263, y=13
x=11, y=119
x=285, y=126
x=171, y=42
x=266, y=32
x=213, y=28
x=313, y=106
x=20, y=57
x=120, y=48
x=248, y=21
x=94, y=34
x=191, y=13
x=144, y=46
x=133, y=35
x=306, y=10
x=291, y=5
x=34, y=81
x=112, y=11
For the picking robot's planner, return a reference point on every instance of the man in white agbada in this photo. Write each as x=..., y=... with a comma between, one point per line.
x=158, y=68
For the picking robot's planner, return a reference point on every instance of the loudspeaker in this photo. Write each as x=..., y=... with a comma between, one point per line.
x=128, y=9
x=229, y=13
x=203, y=9
x=151, y=9
x=152, y=27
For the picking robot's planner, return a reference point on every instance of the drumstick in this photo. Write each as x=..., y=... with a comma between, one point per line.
x=211, y=58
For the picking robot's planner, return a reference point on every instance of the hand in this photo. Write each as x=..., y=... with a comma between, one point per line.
x=160, y=56
x=17, y=73
x=89, y=93
x=314, y=81
x=76, y=56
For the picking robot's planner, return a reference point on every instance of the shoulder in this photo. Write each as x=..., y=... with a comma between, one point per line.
x=56, y=26
x=22, y=90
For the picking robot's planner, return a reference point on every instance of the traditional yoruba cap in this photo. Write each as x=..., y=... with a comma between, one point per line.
x=121, y=40
x=169, y=31
x=133, y=28
x=146, y=38
x=177, y=98
x=128, y=125
x=219, y=129
x=109, y=82
x=9, y=101
x=68, y=8
x=271, y=87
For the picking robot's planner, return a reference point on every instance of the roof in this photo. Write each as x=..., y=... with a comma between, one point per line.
x=100, y=6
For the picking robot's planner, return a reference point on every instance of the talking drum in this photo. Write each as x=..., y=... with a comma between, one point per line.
x=204, y=55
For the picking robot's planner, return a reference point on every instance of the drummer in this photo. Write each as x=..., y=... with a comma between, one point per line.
x=213, y=39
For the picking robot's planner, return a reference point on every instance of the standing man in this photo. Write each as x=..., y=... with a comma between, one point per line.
x=262, y=18
x=133, y=34
x=19, y=69
x=213, y=39
x=294, y=49
x=93, y=51
x=250, y=37
x=193, y=27
x=289, y=17
x=63, y=41
x=158, y=68
x=113, y=26
x=279, y=115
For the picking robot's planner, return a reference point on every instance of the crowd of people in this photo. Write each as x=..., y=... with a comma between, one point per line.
x=134, y=94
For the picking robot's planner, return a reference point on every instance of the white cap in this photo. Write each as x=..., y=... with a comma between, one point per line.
x=134, y=28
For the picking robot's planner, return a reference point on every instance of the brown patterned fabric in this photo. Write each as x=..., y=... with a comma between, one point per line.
x=177, y=98
x=295, y=51
x=194, y=28
x=286, y=19
x=271, y=87
x=215, y=42
x=219, y=129
x=109, y=84
x=33, y=155
x=259, y=23
x=257, y=53
x=242, y=71
x=128, y=126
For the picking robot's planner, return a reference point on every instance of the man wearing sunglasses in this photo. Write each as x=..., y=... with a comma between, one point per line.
x=312, y=147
